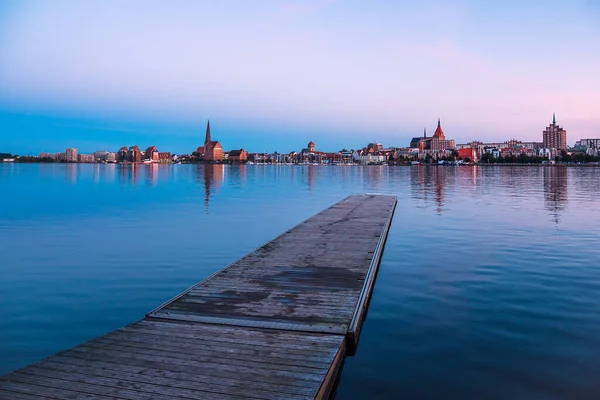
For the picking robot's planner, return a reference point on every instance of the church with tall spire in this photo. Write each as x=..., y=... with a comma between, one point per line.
x=212, y=150
x=436, y=142
x=439, y=133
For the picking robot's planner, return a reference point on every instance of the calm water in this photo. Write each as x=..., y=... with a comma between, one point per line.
x=489, y=286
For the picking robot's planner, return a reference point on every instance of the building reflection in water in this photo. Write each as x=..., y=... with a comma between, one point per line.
x=135, y=173
x=310, y=171
x=129, y=173
x=375, y=174
x=428, y=184
x=72, y=170
x=212, y=175
x=152, y=174
x=555, y=190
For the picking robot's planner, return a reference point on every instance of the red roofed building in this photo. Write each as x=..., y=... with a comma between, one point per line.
x=212, y=150
x=135, y=155
x=439, y=133
x=469, y=152
x=238, y=155
x=150, y=153
x=437, y=142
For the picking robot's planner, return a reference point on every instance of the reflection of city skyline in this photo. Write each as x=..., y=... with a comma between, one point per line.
x=430, y=181
x=556, y=190
x=311, y=177
x=72, y=171
x=212, y=178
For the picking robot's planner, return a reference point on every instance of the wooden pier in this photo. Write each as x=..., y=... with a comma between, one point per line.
x=276, y=324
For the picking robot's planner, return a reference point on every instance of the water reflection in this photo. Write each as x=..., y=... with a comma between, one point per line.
x=428, y=184
x=212, y=176
x=71, y=172
x=556, y=190
x=311, y=176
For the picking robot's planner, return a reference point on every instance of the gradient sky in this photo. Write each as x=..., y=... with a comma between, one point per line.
x=272, y=75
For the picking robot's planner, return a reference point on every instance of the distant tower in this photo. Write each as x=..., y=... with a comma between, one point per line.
x=554, y=136
x=311, y=147
x=424, y=133
x=439, y=133
x=207, y=139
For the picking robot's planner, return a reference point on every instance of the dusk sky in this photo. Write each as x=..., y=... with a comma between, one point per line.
x=272, y=75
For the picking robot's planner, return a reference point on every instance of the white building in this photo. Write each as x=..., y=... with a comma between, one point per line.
x=545, y=152
x=373, y=158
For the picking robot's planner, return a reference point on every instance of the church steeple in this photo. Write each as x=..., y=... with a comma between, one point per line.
x=553, y=118
x=424, y=133
x=207, y=139
x=439, y=133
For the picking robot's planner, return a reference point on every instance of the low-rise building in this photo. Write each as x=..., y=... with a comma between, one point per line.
x=372, y=158
x=588, y=143
x=85, y=158
x=237, y=156
x=111, y=158
x=469, y=153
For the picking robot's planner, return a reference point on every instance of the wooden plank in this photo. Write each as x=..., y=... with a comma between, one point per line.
x=208, y=347
x=277, y=323
x=8, y=395
x=172, y=378
x=64, y=386
x=167, y=362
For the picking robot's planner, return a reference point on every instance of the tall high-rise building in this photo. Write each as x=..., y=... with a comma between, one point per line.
x=554, y=136
x=71, y=155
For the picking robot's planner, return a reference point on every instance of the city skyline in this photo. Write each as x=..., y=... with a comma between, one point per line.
x=276, y=74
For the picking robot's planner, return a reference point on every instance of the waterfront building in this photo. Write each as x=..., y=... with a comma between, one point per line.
x=375, y=147
x=238, y=156
x=151, y=154
x=468, y=153
x=85, y=158
x=60, y=157
x=415, y=142
x=310, y=154
x=71, y=155
x=100, y=155
x=494, y=151
x=135, y=154
x=212, y=149
x=437, y=142
x=554, y=136
x=545, y=153
x=164, y=157
x=123, y=154
x=407, y=152
x=372, y=158
x=588, y=143
x=514, y=146
x=111, y=157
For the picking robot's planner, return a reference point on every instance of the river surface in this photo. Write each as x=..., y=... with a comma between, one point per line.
x=489, y=286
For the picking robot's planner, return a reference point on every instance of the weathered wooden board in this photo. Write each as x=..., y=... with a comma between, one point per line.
x=275, y=324
x=316, y=277
x=156, y=359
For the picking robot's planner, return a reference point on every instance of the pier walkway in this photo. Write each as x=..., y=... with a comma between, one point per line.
x=276, y=324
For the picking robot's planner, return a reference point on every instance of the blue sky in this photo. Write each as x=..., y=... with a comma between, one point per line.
x=272, y=75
